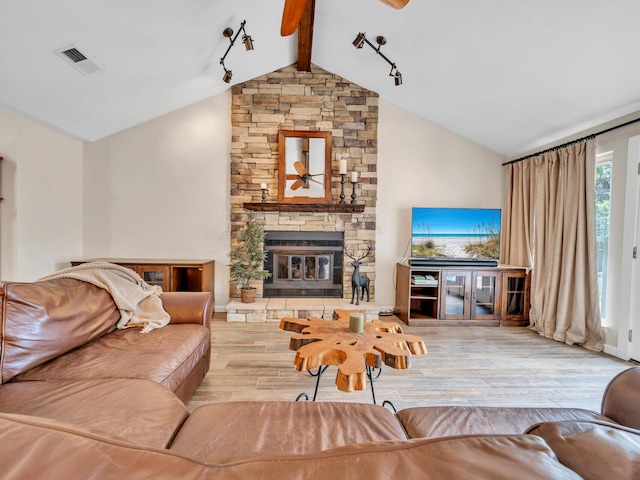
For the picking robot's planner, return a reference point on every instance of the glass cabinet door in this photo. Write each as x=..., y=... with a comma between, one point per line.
x=483, y=302
x=456, y=295
x=515, y=298
x=155, y=275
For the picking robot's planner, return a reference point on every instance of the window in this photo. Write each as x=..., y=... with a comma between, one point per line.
x=603, y=204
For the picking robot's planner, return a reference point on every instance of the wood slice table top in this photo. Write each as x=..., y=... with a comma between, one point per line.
x=324, y=342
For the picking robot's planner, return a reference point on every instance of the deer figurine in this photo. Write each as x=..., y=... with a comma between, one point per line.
x=359, y=283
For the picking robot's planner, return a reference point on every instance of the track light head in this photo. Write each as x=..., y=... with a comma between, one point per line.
x=359, y=41
x=248, y=42
x=227, y=32
x=397, y=76
x=228, y=74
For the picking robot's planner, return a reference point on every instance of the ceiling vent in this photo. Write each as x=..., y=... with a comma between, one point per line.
x=81, y=61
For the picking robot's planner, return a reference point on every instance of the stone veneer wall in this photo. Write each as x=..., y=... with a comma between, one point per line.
x=312, y=101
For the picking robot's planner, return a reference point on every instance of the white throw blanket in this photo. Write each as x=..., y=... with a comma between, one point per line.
x=138, y=302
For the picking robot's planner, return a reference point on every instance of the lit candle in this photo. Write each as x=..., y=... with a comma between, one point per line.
x=343, y=167
x=354, y=177
x=263, y=186
x=356, y=322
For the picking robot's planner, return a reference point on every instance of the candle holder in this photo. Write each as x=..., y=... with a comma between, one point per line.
x=264, y=195
x=342, y=180
x=354, y=197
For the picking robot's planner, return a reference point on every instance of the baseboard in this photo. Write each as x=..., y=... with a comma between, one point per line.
x=610, y=350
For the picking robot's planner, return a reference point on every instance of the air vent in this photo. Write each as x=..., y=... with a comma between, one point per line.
x=74, y=55
x=81, y=61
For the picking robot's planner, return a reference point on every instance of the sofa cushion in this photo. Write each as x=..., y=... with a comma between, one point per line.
x=42, y=320
x=165, y=355
x=33, y=448
x=595, y=450
x=220, y=432
x=140, y=411
x=461, y=420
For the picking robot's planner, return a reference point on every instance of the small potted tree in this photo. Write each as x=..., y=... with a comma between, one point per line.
x=247, y=260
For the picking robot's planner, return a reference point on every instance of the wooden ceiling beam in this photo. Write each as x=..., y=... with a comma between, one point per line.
x=305, y=37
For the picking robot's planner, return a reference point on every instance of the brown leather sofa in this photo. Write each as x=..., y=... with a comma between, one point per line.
x=112, y=412
x=61, y=357
x=309, y=440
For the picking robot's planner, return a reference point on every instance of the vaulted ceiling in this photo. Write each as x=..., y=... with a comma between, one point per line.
x=508, y=74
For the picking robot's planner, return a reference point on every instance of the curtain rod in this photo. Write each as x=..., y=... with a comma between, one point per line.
x=588, y=137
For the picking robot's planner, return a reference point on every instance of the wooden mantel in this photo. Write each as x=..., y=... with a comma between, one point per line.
x=304, y=207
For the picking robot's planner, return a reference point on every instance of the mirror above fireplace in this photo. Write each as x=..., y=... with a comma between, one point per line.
x=304, y=167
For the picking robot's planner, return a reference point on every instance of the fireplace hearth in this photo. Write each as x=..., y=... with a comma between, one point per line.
x=303, y=264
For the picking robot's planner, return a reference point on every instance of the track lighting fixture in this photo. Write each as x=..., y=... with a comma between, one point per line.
x=248, y=45
x=361, y=39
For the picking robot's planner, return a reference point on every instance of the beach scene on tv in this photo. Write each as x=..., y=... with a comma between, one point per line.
x=455, y=233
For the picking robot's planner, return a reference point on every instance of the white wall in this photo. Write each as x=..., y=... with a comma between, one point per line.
x=41, y=216
x=8, y=150
x=161, y=189
x=421, y=164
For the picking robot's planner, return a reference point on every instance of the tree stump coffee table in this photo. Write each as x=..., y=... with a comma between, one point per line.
x=320, y=343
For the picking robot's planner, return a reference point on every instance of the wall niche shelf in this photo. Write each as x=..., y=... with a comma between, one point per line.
x=304, y=207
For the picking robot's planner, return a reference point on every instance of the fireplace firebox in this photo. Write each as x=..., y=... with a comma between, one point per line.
x=303, y=264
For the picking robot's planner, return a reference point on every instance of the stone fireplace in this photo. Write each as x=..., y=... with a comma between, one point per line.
x=309, y=101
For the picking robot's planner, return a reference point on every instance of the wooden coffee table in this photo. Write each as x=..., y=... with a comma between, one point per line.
x=320, y=343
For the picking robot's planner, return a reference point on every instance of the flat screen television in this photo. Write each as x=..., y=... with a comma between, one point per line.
x=452, y=233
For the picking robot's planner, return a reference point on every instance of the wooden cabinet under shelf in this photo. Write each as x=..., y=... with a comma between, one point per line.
x=487, y=296
x=515, y=297
x=171, y=275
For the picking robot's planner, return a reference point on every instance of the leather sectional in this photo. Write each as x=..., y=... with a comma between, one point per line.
x=62, y=358
x=80, y=399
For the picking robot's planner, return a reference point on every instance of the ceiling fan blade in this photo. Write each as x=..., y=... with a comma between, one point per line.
x=297, y=184
x=314, y=180
x=395, y=3
x=300, y=169
x=293, y=10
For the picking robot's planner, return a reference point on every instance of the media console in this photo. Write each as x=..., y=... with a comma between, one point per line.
x=170, y=275
x=455, y=294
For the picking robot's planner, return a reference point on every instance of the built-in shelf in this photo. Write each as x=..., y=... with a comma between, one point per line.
x=304, y=207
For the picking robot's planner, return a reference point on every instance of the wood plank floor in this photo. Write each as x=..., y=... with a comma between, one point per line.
x=463, y=366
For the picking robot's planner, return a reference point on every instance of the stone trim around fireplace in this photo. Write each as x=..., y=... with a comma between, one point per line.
x=275, y=309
